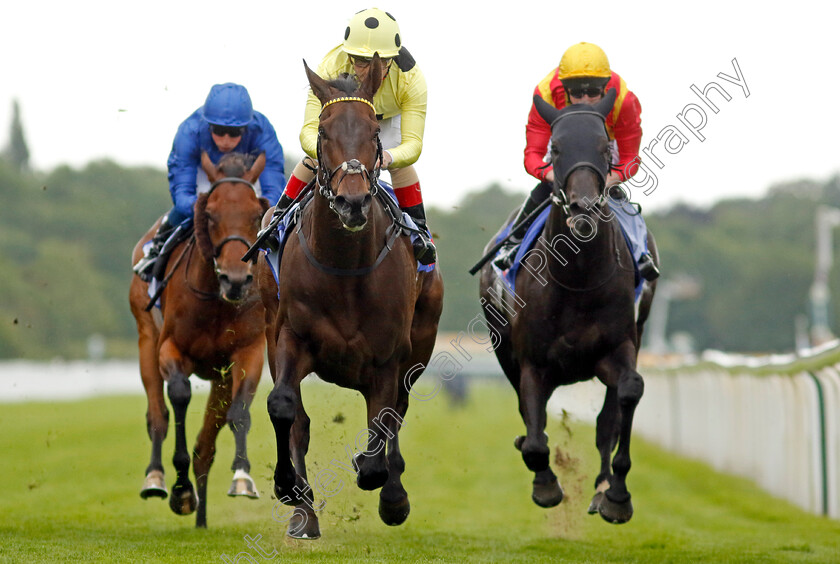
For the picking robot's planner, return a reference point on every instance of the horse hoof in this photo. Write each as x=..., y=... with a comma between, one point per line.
x=243, y=485
x=183, y=500
x=613, y=512
x=394, y=513
x=595, y=503
x=154, y=486
x=547, y=495
x=304, y=526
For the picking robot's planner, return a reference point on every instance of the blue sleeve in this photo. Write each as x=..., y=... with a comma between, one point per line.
x=183, y=163
x=273, y=178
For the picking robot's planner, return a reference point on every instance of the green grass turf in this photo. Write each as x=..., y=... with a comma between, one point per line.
x=71, y=474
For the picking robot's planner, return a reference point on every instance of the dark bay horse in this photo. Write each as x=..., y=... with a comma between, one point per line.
x=352, y=308
x=571, y=313
x=212, y=325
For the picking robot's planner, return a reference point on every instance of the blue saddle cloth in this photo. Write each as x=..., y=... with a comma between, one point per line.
x=632, y=225
x=289, y=220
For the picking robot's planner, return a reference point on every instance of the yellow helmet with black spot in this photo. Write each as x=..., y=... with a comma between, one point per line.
x=372, y=31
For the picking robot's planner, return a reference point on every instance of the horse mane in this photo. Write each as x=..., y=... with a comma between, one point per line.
x=202, y=235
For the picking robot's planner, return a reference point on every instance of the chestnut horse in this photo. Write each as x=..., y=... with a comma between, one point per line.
x=570, y=315
x=352, y=308
x=212, y=324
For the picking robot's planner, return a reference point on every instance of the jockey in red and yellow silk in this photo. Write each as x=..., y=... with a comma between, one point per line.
x=624, y=124
x=582, y=77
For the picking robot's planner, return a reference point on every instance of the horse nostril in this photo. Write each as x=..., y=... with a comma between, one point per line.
x=340, y=201
x=224, y=279
x=249, y=279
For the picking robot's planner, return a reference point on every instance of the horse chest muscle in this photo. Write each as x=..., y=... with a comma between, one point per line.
x=350, y=335
x=572, y=338
x=215, y=331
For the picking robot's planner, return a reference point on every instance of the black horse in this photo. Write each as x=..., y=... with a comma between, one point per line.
x=572, y=314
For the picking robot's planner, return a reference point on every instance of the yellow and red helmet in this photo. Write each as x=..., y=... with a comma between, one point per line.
x=372, y=31
x=584, y=60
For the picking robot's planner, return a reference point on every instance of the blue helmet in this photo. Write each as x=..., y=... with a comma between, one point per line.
x=228, y=104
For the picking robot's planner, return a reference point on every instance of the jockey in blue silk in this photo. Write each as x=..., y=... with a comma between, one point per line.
x=226, y=122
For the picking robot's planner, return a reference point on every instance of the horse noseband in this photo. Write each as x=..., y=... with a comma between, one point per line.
x=353, y=166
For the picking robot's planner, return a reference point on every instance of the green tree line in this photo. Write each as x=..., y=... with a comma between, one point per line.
x=66, y=238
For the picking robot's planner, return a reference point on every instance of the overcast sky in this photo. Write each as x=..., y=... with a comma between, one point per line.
x=99, y=79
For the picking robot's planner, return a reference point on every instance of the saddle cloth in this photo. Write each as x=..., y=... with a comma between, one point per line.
x=633, y=229
x=293, y=214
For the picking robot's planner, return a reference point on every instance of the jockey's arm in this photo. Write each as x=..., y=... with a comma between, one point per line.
x=273, y=178
x=309, y=131
x=537, y=138
x=628, y=138
x=182, y=165
x=412, y=122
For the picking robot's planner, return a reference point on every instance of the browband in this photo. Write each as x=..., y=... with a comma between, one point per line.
x=349, y=99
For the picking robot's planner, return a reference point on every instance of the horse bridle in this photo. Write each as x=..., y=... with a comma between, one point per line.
x=217, y=250
x=325, y=176
x=558, y=194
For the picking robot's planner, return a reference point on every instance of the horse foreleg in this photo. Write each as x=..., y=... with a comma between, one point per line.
x=393, y=499
x=204, y=451
x=304, y=522
x=247, y=369
x=381, y=397
x=615, y=506
x=282, y=406
x=606, y=437
x=534, y=391
x=157, y=416
x=183, y=500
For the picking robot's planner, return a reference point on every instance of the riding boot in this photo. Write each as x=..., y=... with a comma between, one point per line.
x=647, y=268
x=507, y=253
x=144, y=266
x=280, y=209
x=424, y=249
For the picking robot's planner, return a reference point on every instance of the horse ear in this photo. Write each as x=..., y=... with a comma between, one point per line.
x=319, y=86
x=208, y=166
x=373, y=80
x=548, y=112
x=256, y=169
x=605, y=106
